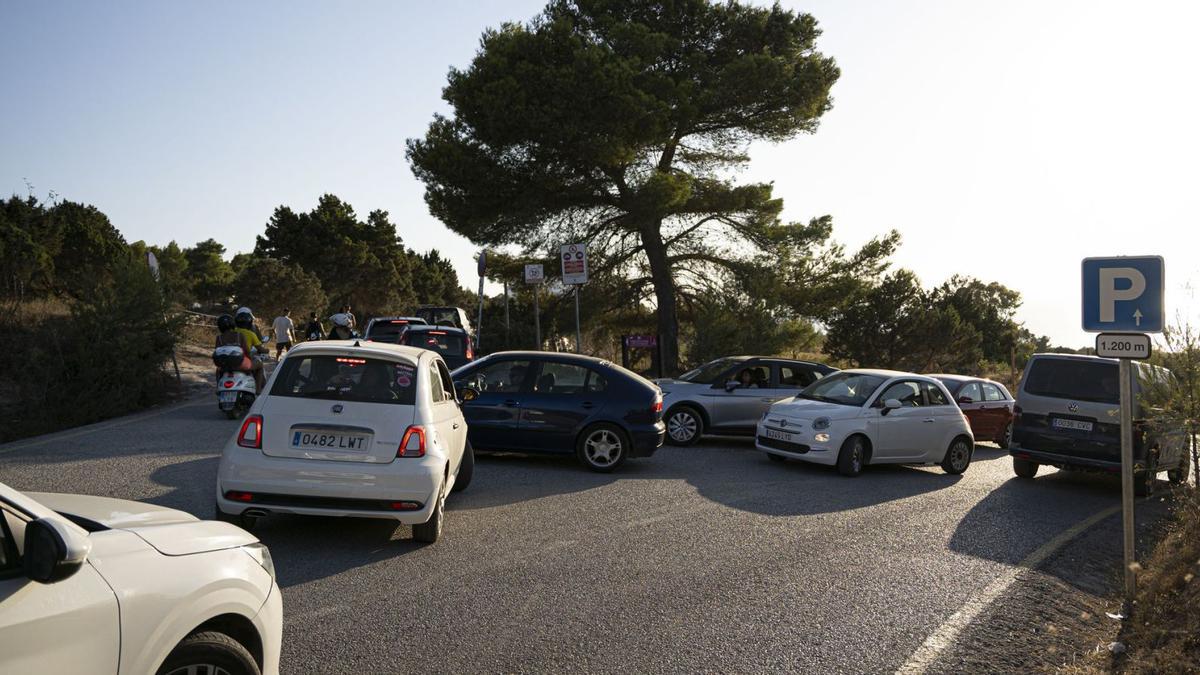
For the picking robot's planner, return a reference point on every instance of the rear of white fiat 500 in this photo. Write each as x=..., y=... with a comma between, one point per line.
x=339, y=433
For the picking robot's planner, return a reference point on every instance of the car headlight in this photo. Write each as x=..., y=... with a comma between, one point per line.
x=821, y=423
x=821, y=438
x=261, y=555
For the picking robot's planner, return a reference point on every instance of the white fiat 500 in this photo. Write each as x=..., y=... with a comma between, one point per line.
x=99, y=585
x=370, y=430
x=858, y=417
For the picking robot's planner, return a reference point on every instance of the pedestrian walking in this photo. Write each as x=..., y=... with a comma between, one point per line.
x=283, y=328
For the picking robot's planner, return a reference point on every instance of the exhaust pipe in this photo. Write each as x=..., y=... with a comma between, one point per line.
x=255, y=513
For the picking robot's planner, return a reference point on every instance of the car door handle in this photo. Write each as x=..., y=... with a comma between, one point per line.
x=512, y=403
x=454, y=426
x=587, y=405
x=927, y=420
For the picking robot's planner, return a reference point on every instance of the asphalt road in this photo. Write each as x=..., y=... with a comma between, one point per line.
x=708, y=558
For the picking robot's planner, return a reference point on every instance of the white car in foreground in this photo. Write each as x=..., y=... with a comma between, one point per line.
x=858, y=417
x=99, y=585
x=349, y=428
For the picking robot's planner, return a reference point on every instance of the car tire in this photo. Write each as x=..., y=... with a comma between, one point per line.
x=466, y=470
x=681, y=420
x=776, y=458
x=1179, y=476
x=1025, y=468
x=852, y=457
x=217, y=651
x=958, y=456
x=430, y=531
x=1005, y=439
x=602, y=447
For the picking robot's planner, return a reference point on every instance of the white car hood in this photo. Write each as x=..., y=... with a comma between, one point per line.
x=807, y=409
x=170, y=531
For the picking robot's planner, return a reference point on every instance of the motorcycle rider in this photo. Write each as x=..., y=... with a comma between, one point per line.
x=244, y=322
x=341, y=327
x=229, y=336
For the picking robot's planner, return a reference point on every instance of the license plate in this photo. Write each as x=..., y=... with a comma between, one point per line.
x=1073, y=425
x=779, y=435
x=229, y=397
x=326, y=440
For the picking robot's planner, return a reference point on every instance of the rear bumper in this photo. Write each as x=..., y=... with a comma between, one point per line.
x=647, y=440
x=329, y=488
x=1070, y=461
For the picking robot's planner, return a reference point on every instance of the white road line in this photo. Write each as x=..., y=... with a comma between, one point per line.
x=947, y=633
x=95, y=428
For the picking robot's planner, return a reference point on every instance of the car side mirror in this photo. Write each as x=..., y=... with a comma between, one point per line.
x=468, y=394
x=965, y=399
x=732, y=384
x=890, y=405
x=53, y=551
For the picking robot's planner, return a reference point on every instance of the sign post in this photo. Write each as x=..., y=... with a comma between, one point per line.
x=481, y=267
x=534, y=274
x=575, y=272
x=1125, y=296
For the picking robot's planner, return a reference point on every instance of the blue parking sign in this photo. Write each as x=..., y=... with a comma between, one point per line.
x=1123, y=294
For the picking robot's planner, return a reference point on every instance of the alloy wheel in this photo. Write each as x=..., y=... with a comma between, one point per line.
x=682, y=426
x=960, y=455
x=603, y=448
x=200, y=669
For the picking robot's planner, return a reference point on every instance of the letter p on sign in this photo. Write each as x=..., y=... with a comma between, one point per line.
x=1123, y=294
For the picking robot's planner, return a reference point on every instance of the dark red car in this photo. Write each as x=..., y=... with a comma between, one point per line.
x=987, y=405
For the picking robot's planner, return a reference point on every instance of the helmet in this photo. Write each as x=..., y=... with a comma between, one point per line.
x=244, y=310
x=244, y=319
x=225, y=323
x=340, y=319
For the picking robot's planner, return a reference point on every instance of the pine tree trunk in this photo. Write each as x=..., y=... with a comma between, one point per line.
x=664, y=294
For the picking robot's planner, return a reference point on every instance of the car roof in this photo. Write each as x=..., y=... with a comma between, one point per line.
x=394, y=318
x=421, y=327
x=883, y=372
x=1073, y=357
x=362, y=347
x=567, y=357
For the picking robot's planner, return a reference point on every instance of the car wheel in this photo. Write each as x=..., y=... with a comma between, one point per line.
x=209, y=653
x=465, y=470
x=1006, y=438
x=958, y=456
x=430, y=531
x=852, y=456
x=602, y=447
x=1025, y=468
x=684, y=425
x=1180, y=475
x=776, y=458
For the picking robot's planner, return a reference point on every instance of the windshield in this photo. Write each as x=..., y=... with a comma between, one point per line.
x=440, y=341
x=843, y=388
x=386, y=331
x=1073, y=378
x=709, y=372
x=344, y=378
x=440, y=316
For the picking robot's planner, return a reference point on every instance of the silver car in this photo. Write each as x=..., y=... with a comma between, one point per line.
x=729, y=395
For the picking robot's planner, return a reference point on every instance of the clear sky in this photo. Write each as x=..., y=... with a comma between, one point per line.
x=1005, y=140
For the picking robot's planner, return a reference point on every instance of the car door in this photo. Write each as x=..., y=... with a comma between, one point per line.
x=787, y=379
x=997, y=410
x=445, y=412
x=899, y=434
x=939, y=424
x=558, y=406
x=739, y=409
x=493, y=416
x=70, y=626
x=970, y=400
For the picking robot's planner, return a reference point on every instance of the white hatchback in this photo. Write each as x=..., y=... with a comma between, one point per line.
x=99, y=585
x=858, y=417
x=349, y=428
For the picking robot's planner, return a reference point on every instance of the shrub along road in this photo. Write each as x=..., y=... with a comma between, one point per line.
x=705, y=558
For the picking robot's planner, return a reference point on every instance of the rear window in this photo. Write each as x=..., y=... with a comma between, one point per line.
x=346, y=378
x=440, y=341
x=440, y=316
x=1074, y=379
x=386, y=331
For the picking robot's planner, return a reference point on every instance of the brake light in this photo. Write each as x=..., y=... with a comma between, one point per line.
x=353, y=362
x=237, y=496
x=413, y=444
x=229, y=384
x=398, y=321
x=657, y=406
x=405, y=506
x=252, y=431
x=437, y=332
x=470, y=354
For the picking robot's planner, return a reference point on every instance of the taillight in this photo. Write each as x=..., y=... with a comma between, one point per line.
x=413, y=444
x=229, y=384
x=238, y=496
x=405, y=506
x=657, y=407
x=470, y=352
x=252, y=431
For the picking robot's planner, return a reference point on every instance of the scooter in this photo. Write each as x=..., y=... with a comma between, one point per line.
x=236, y=389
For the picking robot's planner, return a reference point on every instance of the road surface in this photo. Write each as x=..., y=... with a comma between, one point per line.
x=697, y=559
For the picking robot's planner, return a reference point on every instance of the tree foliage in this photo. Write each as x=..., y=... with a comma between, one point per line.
x=210, y=273
x=268, y=286
x=619, y=122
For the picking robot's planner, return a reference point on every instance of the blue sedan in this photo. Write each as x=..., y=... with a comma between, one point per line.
x=560, y=403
